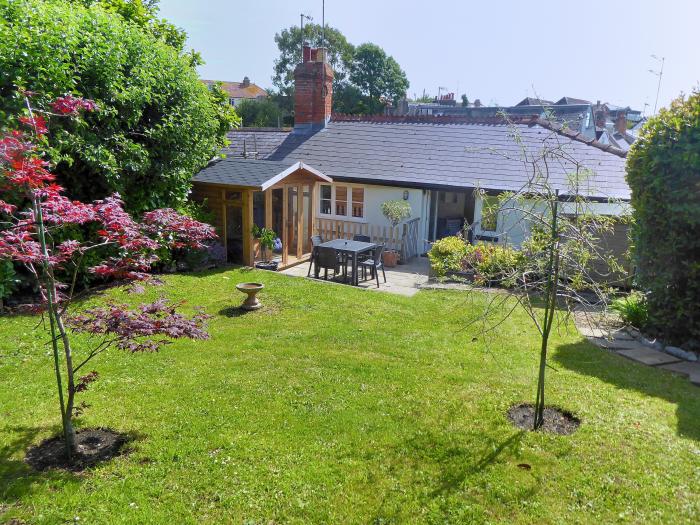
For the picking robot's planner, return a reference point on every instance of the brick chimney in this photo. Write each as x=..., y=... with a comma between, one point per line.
x=313, y=91
x=621, y=122
x=246, y=82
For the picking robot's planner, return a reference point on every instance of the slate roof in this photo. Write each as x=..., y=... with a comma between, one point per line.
x=254, y=142
x=241, y=172
x=448, y=152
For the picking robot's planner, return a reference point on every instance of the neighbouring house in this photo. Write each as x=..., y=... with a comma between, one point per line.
x=330, y=174
x=239, y=91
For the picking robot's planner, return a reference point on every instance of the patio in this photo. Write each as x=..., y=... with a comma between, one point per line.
x=403, y=279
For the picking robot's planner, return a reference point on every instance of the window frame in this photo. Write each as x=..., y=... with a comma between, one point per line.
x=348, y=202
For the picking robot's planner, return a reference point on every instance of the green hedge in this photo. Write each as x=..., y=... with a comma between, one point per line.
x=157, y=124
x=663, y=170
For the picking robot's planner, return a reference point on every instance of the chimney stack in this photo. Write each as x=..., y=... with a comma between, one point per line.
x=313, y=91
x=246, y=82
x=621, y=122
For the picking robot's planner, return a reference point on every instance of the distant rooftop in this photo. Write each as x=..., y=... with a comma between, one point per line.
x=244, y=89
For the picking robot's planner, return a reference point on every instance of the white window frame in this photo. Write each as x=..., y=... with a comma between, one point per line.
x=348, y=207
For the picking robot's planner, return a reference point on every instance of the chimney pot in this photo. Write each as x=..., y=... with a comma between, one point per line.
x=306, y=53
x=246, y=82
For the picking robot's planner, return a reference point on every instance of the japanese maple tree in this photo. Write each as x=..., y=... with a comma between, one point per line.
x=127, y=251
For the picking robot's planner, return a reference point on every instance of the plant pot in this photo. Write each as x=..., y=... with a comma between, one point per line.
x=391, y=257
x=267, y=265
x=251, y=290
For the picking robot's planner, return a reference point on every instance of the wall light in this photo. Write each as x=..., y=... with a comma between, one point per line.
x=405, y=195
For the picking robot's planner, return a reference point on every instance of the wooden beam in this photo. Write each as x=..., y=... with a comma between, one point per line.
x=312, y=212
x=300, y=220
x=268, y=210
x=248, y=244
x=224, y=233
x=285, y=228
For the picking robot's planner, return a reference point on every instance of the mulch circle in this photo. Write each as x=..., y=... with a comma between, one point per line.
x=95, y=445
x=556, y=421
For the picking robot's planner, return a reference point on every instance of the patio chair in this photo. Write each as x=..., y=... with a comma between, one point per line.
x=326, y=259
x=362, y=238
x=315, y=241
x=374, y=264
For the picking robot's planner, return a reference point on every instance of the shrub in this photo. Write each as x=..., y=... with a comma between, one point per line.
x=632, y=309
x=157, y=124
x=494, y=262
x=446, y=255
x=396, y=211
x=663, y=171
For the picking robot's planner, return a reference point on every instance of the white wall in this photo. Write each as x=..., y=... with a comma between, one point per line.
x=515, y=219
x=418, y=199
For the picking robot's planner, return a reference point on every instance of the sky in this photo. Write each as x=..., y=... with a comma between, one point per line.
x=498, y=51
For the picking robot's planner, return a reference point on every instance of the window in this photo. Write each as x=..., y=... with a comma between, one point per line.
x=489, y=213
x=326, y=204
x=358, y=202
x=341, y=200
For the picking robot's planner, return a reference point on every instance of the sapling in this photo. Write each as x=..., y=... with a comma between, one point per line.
x=34, y=211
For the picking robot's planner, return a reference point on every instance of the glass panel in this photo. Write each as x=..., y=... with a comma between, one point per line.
x=234, y=195
x=259, y=209
x=277, y=216
x=234, y=234
x=306, y=219
x=326, y=206
x=341, y=200
x=292, y=218
x=358, y=202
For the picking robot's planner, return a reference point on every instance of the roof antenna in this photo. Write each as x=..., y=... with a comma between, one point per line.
x=302, y=16
x=323, y=23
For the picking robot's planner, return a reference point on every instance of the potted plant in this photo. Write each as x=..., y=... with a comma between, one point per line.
x=266, y=237
x=395, y=212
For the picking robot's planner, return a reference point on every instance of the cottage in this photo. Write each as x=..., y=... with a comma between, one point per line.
x=330, y=174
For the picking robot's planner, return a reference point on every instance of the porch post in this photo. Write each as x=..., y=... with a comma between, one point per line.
x=224, y=233
x=285, y=226
x=248, y=242
x=268, y=209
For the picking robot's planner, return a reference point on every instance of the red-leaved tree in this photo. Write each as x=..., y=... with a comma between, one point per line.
x=127, y=249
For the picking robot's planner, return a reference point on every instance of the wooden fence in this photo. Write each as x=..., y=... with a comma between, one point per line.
x=402, y=238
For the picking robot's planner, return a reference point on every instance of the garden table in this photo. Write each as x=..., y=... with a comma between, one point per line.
x=353, y=249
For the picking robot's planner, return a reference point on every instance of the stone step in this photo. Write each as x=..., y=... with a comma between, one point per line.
x=686, y=368
x=648, y=356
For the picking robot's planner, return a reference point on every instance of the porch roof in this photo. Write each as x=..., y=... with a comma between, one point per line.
x=255, y=174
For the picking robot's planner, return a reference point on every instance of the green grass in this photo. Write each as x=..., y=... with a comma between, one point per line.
x=337, y=405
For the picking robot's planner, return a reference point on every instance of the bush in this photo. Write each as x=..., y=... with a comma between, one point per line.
x=157, y=124
x=446, y=255
x=632, y=309
x=494, y=263
x=663, y=171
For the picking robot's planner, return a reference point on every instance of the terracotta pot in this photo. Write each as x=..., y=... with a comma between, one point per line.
x=391, y=257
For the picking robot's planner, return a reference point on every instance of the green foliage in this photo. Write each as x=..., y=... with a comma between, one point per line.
x=446, y=255
x=633, y=309
x=266, y=236
x=494, y=263
x=663, y=171
x=396, y=211
x=377, y=75
x=8, y=279
x=340, y=54
x=157, y=124
x=260, y=113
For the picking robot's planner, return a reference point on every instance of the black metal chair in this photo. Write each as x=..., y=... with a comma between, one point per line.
x=326, y=259
x=374, y=264
x=316, y=240
x=362, y=238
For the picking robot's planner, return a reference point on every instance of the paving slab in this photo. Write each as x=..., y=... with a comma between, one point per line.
x=648, y=356
x=686, y=368
x=617, y=344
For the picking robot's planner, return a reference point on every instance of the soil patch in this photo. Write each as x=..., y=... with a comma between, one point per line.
x=95, y=445
x=556, y=421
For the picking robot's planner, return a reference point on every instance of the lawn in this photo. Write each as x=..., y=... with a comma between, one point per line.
x=338, y=405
